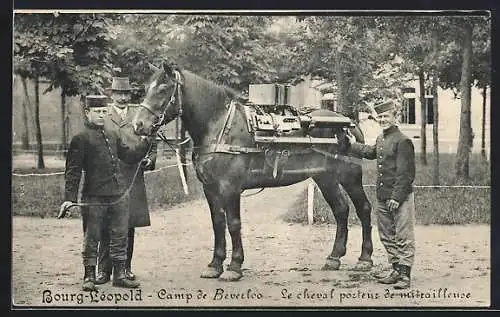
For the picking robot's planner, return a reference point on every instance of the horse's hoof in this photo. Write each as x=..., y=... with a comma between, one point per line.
x=211, y=272
x=331, y=265
x=230, y=276
x=363, y=265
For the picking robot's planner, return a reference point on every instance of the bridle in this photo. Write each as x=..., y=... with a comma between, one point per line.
x=160, y=119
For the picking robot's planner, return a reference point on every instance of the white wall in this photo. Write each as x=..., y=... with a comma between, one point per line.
x=303, y=95
x=449, y=122
x=449, y=118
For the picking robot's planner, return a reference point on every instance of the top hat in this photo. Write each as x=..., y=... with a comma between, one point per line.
x=93, y=101
x=384, y=107
x=120, y=84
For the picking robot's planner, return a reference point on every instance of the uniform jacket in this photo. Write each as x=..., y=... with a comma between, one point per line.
x=395, y=156
x=98, y=153
x=139, y=211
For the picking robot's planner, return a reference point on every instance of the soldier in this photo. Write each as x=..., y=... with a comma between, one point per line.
x=395, y=156
x=119, y=119
x=97, y=152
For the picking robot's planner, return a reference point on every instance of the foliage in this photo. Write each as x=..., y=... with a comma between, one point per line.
x=70, y=50
x=450, y=74
x=234, y=46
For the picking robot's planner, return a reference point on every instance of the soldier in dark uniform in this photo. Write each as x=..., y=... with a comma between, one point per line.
x=97, y=152
x=395, y=156
x=119, y=118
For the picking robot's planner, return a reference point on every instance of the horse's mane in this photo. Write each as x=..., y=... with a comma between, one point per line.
x=208, y=89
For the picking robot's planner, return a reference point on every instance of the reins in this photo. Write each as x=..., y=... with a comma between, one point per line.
x=115, y=202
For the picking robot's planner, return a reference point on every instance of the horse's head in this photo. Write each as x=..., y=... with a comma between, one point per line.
x=162, y=102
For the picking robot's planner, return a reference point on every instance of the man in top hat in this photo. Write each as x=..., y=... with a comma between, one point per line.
x=395, y=207
x=119, y=119
x=97, y=152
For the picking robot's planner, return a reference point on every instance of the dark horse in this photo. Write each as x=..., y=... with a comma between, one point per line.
x=202, y=106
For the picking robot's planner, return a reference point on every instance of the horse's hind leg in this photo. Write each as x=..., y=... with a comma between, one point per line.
x=354, y=188
x=215, y=268
x=338, y=204
x=232, y=208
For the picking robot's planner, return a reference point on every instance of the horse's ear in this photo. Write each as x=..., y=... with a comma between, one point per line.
x=168, y=68
x=153, y=67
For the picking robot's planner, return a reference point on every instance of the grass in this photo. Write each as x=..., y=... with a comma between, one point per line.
x=433, y=205
x=42, y=196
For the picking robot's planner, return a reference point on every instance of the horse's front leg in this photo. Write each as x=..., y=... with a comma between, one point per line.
x=232, y=207
x=333, y=196
x=215, y=267
x=354, y=189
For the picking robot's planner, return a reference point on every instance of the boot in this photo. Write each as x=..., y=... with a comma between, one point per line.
x=393, y=276
x=404, y=279
x=89, y=278
x=120, y=278
x=128, y=273
x=102, y=277
x=130, y=251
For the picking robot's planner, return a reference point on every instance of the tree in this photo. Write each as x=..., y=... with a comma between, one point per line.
x=70, y=50
x=464, y=143
x=348, y=51
x=412, y=42
x=467, y=55
x=435, y=124
x=32, y=53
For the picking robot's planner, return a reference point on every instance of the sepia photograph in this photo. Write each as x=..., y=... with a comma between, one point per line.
x=252, y=159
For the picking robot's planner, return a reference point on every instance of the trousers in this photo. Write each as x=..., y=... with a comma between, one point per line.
x=94, y=220
x=396, y=231
x=103, y=255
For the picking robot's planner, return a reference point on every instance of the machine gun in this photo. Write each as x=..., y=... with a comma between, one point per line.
x=272, y=119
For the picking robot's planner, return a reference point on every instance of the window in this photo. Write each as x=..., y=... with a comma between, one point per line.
x=329, y=104
x=408, y=111
x=430, y=110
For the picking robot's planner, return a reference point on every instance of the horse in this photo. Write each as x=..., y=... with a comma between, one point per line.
x=202, y=106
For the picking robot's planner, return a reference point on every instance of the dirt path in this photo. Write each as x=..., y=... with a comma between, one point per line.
x=282, y=263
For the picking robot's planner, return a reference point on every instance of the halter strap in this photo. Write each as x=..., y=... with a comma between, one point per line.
x=160, y=118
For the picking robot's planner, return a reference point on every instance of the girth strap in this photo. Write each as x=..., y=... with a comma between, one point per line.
x=232, y=149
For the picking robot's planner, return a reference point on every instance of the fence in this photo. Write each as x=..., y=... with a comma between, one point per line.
x=311, y=190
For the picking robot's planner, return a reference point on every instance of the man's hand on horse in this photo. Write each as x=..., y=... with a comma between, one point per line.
x=146, y=162
x=64, y=209
x=392, y=205
x=351, y=138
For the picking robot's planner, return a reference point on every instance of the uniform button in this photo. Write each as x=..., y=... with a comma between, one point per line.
x=380, y=174
x=380, y=165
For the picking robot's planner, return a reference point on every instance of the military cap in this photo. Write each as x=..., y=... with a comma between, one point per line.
x=93, y=101
x=120, y=84
x=384, y=107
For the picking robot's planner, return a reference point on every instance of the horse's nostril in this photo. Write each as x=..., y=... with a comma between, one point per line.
x=138, y=124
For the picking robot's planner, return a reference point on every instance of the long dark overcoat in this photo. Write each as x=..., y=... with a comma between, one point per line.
x=139, y=211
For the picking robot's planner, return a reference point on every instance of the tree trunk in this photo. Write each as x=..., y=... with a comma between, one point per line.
x=423, y=118
x=25, y=139
x=435, y=125
x=63, y=145
x=41, y=164
x=483, y=126
x=340, y=83
x=462, y=162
